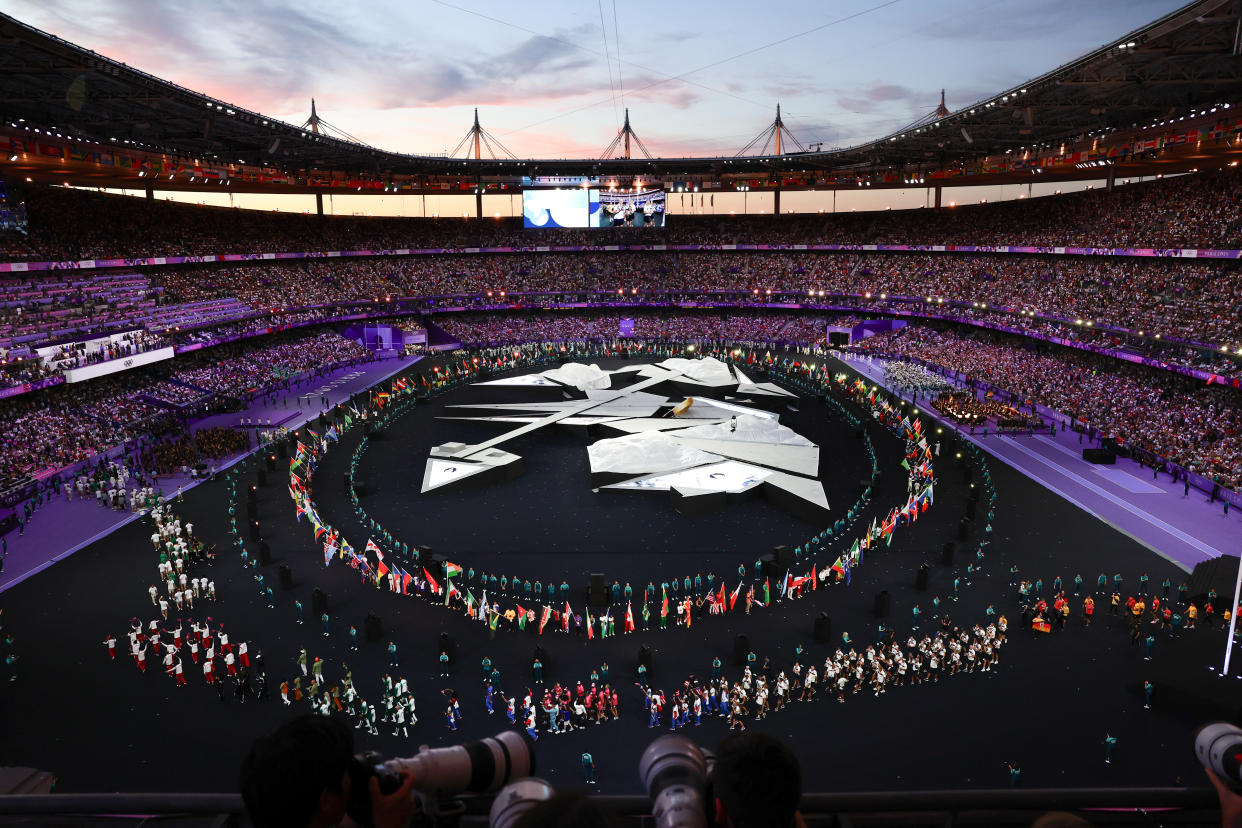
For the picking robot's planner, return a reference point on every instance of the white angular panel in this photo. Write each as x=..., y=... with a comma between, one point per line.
x=446, y=472
x=718, y=408
x=729, y=476
x=794, y=458
x=641, y=424
x=750, y=429
x=526, y=381
x=812, y=491
x=577, y=375
x=646, y=453
x=708, y=371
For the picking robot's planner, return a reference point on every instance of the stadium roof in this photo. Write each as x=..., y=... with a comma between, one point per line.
x=1178, y=67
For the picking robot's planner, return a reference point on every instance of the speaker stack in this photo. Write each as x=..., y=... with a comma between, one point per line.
x=373, y=628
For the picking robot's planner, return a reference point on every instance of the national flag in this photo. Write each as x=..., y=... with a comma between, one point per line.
x=543, y=618
x=435, y=585
x=847, y=569
x=449, y=589
x=451, y=570
x=814, y=578
x=405, y=582
x=721, y=598
x=331, y=433
x=838, y=567
x=328, y=549
x=382, y=568
x=590, y=625
x=521, y=613
x=664, y=606
x=767, y=592
x=785, y=583
x=629, y=617
x=483, y=607
x=493, y=620
x=688, y=607
x=565, y=619
x=373, y=547
x=733, y=597
x=471, y=602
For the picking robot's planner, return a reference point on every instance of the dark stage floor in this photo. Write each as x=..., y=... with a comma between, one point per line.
x=102, y=726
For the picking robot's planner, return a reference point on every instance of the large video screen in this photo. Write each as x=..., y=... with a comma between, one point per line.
x=640, y=208
x=558, y=208
x=583, y=207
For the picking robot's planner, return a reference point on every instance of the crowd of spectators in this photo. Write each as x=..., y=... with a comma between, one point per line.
x=1196, y=210
x=240, y=369
x=186, y=451
x=1183, y=421
x=65, y=424
x=484, y=329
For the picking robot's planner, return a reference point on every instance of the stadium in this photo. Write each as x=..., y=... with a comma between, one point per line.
x=920, y=457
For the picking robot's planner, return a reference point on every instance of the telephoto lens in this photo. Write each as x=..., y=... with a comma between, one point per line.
x=517, y=798
x=674, y=772
x=1219, y=747
x=476, y=767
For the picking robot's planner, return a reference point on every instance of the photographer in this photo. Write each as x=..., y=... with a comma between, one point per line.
x=298, y=777
x=757, y=781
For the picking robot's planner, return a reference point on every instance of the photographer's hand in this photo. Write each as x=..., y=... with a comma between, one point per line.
x=396, y=809
x=1230, y=801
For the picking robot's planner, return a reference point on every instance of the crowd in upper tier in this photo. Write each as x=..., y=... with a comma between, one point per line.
x=484, y=329
x=1178, y=419
x=1197, y=210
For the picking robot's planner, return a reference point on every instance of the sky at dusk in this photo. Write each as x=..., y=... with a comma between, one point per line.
x=552, y=79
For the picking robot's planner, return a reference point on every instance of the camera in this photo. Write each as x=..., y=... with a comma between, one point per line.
x=516, y=799
x=674, y=771
x=475, y=767
x=1219, y=747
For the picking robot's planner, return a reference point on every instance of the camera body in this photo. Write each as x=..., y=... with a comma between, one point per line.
x=476, y=767
x=1218, y=745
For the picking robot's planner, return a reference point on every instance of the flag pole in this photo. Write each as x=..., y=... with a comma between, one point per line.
x=1233, y=618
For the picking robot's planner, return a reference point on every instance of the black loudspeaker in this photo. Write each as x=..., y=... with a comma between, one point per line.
x=975, y=492
x=783, y=556
x=282, y=451
x=741, y=649
x=286, y=577
x=883, y=604
x=963, y=530
x=770, y=569
x=271, y=462
x=254, y=530
x=265, y=553
x=252, y=493
x=823, y=629
x=319, y=601
x=252, y=509
x=972, y=507
x=447, y=644
x=644, y=656
x=262, y=477
x=920, y=578
x=373, y=628
x=1099, y=456
x=597, y=595
x=946, y=553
